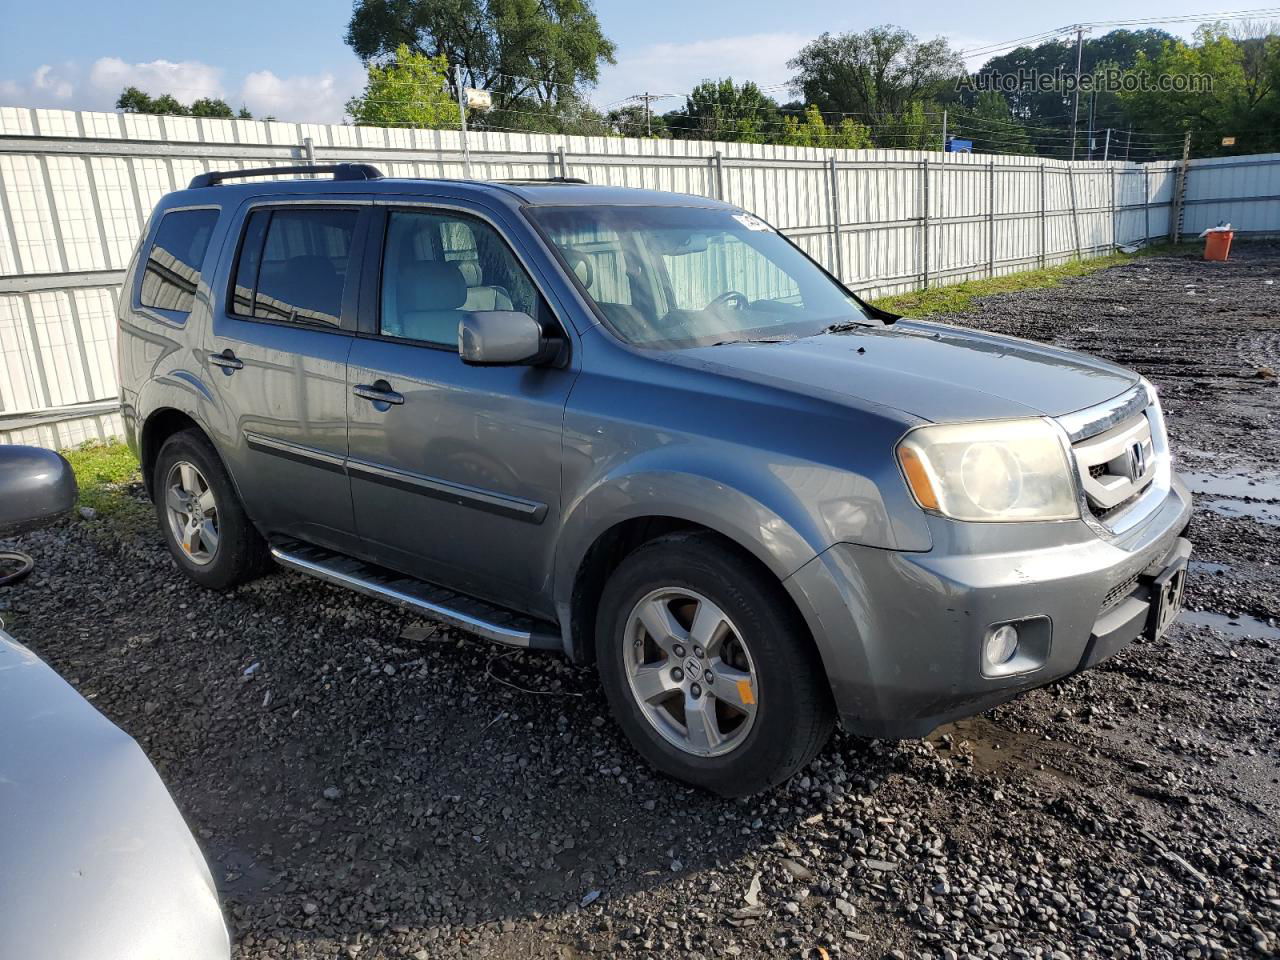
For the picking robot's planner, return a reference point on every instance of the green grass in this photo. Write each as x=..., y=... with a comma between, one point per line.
x=106, y=472
x=959, y=297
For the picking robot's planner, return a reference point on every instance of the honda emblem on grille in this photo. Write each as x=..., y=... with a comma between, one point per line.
x=1137, y=461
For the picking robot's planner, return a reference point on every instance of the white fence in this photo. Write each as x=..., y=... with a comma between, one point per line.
x=76, y=189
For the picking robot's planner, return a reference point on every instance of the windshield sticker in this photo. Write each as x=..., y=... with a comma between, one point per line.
x=752, y=223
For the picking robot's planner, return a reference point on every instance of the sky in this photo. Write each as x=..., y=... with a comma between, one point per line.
x=287, y=58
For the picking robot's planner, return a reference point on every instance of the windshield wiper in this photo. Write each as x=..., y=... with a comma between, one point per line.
x=723, y=343
x=844, y=326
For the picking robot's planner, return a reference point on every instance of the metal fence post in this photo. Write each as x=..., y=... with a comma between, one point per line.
x=924, y=167
x=308, y=150
x=1044, y=219
x=564, y=165
x=838, y=253
x=1115, y=241
x=462, y=121
x=1075, y=210
x=1146, y=203
x=991, y=218
x=718, y=160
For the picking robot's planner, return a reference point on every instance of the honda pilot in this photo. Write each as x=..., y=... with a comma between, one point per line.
x=649, y=431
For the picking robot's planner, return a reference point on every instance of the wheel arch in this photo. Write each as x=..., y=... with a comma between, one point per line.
x=618, y=517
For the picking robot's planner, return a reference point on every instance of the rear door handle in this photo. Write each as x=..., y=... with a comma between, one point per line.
x=379, y=392
x=227, y=360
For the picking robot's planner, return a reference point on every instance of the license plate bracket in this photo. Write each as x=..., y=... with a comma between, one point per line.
x=1166, y=598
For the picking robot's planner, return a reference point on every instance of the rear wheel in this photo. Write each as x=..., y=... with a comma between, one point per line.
x=708, y=668
x=201, y=517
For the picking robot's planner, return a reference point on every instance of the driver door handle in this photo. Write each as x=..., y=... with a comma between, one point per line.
x=227, y=360
x=379, y=392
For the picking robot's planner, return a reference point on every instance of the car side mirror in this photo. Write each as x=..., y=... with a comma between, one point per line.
x=491, y=338
x=37, y=488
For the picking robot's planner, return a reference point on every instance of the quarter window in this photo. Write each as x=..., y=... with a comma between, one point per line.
x=172, y=272
x=293, y=265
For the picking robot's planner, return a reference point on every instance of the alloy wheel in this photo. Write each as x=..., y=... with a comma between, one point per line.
x=193, y=512
x=690, y=672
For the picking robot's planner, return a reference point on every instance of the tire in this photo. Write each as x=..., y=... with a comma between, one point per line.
x=224, y=549
x=739, y=739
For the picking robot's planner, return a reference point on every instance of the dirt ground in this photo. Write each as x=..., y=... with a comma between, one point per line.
x=366, y=785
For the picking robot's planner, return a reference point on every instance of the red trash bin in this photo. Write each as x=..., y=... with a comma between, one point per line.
x=1217, y=244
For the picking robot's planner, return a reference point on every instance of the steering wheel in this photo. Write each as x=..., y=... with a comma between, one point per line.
x=739, y=301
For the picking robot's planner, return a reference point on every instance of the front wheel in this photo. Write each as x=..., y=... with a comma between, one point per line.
x=708, y=668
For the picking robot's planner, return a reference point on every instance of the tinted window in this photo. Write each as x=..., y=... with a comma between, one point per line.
x=293, y=265
x=173, y=266
x=438, y=266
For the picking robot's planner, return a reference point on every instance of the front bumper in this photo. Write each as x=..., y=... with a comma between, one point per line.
x=901, y=634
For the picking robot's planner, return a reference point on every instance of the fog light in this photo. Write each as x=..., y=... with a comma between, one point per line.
x=1002, y=644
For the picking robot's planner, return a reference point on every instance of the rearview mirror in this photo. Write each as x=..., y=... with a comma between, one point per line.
x=36, y=488
x=489, y=338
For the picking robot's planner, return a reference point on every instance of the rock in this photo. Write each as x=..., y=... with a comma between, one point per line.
x=332, y=793
x=880, y=866
x=752, y=896
x=797, y=870
x=88, y=513
x=846, y=908
x=310, y=908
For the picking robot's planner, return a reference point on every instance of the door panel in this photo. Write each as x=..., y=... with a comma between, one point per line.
x=456, y=478
x=460, y=484
x=279, y=357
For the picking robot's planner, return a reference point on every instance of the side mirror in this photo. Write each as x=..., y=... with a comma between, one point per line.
x=491, y=338
x=36, y=488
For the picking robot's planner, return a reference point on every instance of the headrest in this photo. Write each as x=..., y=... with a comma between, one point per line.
x=470, y=272
x=431, y=285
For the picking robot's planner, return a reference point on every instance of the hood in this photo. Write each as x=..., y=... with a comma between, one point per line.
x=930, y=370
x=98, y=861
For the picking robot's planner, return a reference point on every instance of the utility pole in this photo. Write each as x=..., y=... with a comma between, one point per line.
x=944, y=133
x=1075, y=111
x=648, y=98
x=462, y=118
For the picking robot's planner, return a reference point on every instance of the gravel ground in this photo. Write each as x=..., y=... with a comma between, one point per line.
x=367, y=785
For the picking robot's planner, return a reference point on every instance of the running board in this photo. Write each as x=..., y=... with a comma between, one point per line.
x=435, y=603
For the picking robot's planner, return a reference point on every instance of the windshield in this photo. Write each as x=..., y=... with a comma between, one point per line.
x=675, y=277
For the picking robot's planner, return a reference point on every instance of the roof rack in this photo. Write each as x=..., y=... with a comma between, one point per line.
x=542, y=180
x=340, y=171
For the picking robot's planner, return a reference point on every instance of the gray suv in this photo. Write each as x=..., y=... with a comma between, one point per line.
x=646, y=430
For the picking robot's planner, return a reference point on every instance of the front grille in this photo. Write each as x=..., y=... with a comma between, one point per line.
x=1116, y=466
x=1119, y=592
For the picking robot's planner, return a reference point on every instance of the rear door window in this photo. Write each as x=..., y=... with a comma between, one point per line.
x=294, y=264
x=172, y=272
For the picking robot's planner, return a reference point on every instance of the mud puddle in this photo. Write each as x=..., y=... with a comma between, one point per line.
x=1232, y=626
x=1255, y=495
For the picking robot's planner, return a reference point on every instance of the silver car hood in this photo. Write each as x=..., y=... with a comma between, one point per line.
x=930, y=370
x=95, y=859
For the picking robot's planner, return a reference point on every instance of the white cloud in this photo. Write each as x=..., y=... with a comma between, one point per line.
x=319, y=98
x=186, y=80
x=305, y=99
x=49, y=85
x=678, y=67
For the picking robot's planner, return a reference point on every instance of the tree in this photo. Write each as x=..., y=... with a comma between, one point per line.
x=533, y=52
x=1244, y=101
x=633, y=121
x=912, y=129
x=206, y=107
x=812, y=131
x=409, y=90
x=723, y=110
x=875, y=75
x=990, y=126
x=133, y=100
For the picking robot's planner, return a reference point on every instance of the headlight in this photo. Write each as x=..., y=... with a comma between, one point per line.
x=999, y=470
